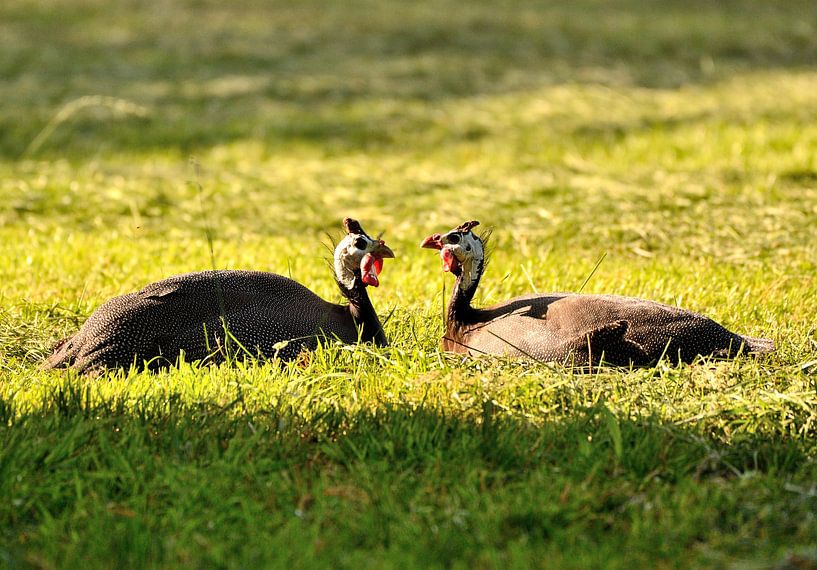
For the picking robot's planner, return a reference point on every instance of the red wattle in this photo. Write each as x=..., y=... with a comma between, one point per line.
x=448, y=258
x=369, y=269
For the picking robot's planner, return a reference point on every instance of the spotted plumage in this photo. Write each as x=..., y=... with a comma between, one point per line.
x=571, y=328
x=211, y=315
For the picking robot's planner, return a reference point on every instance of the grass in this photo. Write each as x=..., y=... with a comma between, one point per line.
x=677, y=138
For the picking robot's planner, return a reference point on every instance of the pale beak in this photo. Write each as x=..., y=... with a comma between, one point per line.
x=383, y=251
x=432, y=242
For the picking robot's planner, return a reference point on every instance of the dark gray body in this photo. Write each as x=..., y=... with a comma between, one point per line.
x=184, y=313
x=578, y=329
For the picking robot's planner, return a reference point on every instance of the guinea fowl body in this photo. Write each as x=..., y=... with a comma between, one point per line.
x=266, y=316
x=582, y=329
x=571, y=328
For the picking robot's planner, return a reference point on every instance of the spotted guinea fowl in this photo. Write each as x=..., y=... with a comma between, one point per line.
x=266, y=315
x=571, y=328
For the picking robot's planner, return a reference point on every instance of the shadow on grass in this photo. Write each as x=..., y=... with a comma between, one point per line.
x=162, y=480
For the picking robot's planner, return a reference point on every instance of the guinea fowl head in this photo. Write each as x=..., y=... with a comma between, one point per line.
x=358, y=257
x=462, y=252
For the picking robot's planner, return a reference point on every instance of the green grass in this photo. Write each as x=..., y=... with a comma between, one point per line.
x=678, y=138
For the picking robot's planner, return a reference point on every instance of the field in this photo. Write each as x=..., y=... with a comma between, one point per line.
x=675, y=139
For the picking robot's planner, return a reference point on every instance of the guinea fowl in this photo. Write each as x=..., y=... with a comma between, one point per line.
x=572, y=328
x=264, y=314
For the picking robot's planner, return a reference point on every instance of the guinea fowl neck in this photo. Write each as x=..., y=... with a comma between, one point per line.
x=460, y=310
x=363, y=313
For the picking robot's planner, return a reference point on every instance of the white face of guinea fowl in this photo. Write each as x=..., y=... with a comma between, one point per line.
x=360, y=252
x=461, y=251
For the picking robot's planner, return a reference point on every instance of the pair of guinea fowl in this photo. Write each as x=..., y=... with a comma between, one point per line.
x=208, y=314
